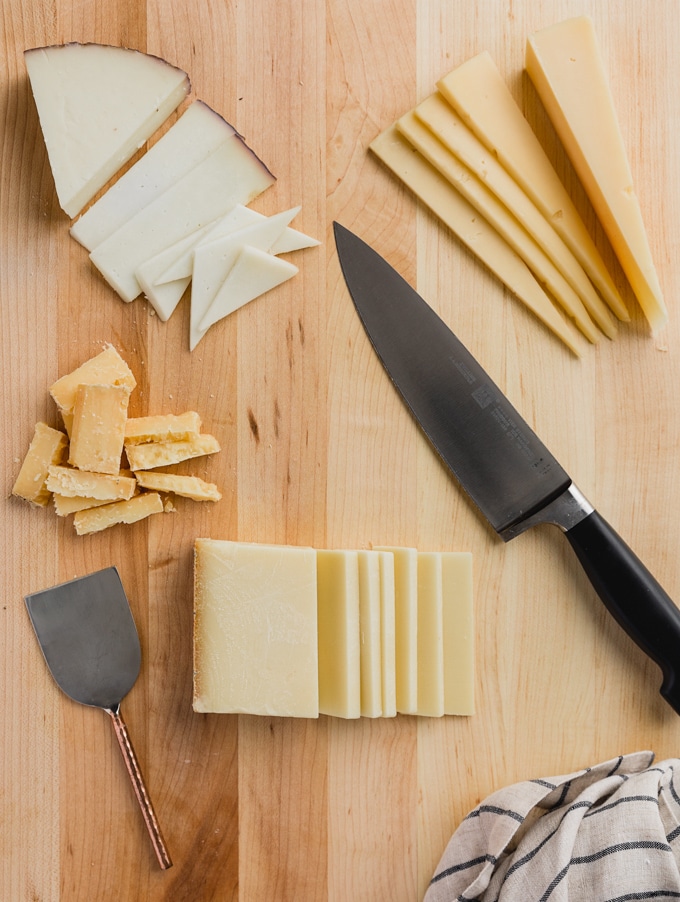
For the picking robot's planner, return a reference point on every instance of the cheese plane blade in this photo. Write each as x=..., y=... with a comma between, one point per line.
x=497, y=458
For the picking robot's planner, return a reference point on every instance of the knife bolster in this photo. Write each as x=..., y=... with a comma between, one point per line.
x=565, y=511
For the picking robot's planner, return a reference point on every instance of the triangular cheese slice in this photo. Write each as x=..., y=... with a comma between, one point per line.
x=97, y=105
x=565, y=65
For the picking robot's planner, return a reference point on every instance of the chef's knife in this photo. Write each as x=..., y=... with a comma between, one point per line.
x=504, y=467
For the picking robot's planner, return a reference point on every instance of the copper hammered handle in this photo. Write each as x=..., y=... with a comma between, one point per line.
x=137, y=781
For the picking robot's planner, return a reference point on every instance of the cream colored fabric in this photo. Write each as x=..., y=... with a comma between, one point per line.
x=610, y=833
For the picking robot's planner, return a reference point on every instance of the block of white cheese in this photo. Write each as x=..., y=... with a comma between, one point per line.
x=473, y=230
x=430, y=635
x=255, y=629
x=495, y=212
x=46, y=449
x=185, y=144
x=459, y=639
x=440, y=117
x=566, y=68
x=388, y=672
x=97, y=105
x=370, y=630
x=339, y=633
x=105, y=368
x=232, y=174
x=405, y=626
x=477, y=91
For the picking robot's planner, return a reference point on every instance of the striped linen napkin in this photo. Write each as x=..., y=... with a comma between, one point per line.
x=609, y=832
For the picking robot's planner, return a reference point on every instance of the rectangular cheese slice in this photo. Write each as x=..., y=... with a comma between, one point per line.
x=387, y=635
x=165, y=427
x=371, y=638
x=339, y=633
x=96, y=519
x=46, y=449
x=479, y=94
x=430, y=635
x=232, y=174
x=567, y=70
x=163, y=454
x=185, y=144
x=98, y=428
x=255, y=629
x=63, y=506
x=82, y=484
x=459, y=639
x=473, y=230
x=405, y=626
x=187, y=486
x=106, y=368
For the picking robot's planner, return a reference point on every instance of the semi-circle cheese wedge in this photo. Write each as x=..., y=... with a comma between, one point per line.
x=500, y=218
x=477, y=91
x=97, y=105
x=472, y=229
x=565, y=65
x=440, y=117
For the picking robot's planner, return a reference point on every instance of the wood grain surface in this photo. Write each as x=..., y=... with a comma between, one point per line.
x=318, y=450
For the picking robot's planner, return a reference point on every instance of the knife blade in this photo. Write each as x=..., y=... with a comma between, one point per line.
x=500, y=462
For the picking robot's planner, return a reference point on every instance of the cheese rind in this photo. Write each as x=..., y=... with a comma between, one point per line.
x=96, y=519
x=82, y=484
x=98, y=428
x=106, y=368
x=97, y=105
x=46, y=449
x=430, y=635
x=459, y=639
x=163, y=454
x=167, y=427
x=187, y=486
x=255, y=629
x=566, y=68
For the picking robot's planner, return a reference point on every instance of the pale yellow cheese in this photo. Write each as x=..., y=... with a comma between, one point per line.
x=45, y=450
x=405, y=626
x=187, y=486
x=445, y=123
x=162, y=454
x=430, y=635
x=166, y=427
x=63, y=505
x=566, y=67
x=459, y=639
x=388, y=671
x=499, y=216
x=339, y=633
x=370, y=630
x=98, y=428
x=106, y=368
x=471, y=228
x=255, y=629
x=82, y=484
x=96, y=519
x=479, y=94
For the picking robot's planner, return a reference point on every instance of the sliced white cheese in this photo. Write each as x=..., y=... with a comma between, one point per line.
x=500, y=217
x=473, y=230
x=459, y=638
x=185, y=144
x=232, y=174
x=565, y=65
x=479, y=94
x=293, y=240
x=165, y=297
x=445, y=123
x=370, y=627
x=387, y=635
x=430, y=635
x=97, y=105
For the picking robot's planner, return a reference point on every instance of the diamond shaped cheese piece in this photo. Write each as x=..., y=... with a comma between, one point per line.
x=406, y=626
x=255, y=629
x=566, y=68
x=107, y=368
x=339, y=633
x=459, y=640
x=162, y=454
x=97, y=105
x=46, y=449
x=96, y=519
x=98, y=428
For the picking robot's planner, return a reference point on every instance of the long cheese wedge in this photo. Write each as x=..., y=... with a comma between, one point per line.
x=46, y=449
x=430, y=635
x=440, y=117
x=255, y=629
x=232, y=174
x=96, y=519
x=339, y=633
x=187, y=486
x=477, y=91
x=168, y=427
x=565, y=65
x=150, y=455
x=83, y=484
x=97, y=105
x=502, y=220
x=458, y=631
x=185, y=144
x=474, y=231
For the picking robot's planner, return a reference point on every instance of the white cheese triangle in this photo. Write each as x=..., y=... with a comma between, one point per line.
x=97, y=105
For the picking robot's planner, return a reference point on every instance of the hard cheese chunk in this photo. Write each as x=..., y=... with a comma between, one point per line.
x=138, y=508
x=406, y=626
x=106, y=368
x=430, y=635
x=97, y=105
x=187, y=486
x=255, y=629
x=565, y=65
x=339, y=633
x=46, y=449
x=170, y=427
x=82, y=484
x=98, y=428
x=458, y=630
x=163, y=454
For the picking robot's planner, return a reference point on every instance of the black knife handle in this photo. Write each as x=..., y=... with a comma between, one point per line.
x=632, y=595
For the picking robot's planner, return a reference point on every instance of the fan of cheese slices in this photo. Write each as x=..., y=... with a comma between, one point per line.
x=470, y=155
x=104, y=468
x=179, y=215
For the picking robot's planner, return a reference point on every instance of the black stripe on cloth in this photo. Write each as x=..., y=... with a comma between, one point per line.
x=647, y=894
x=622, y=801
x=673, y=835
x=493, y=809
x=616, y=766
x=463, y=866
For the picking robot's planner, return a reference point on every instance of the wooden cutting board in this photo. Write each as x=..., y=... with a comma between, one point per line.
x=318, y=450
